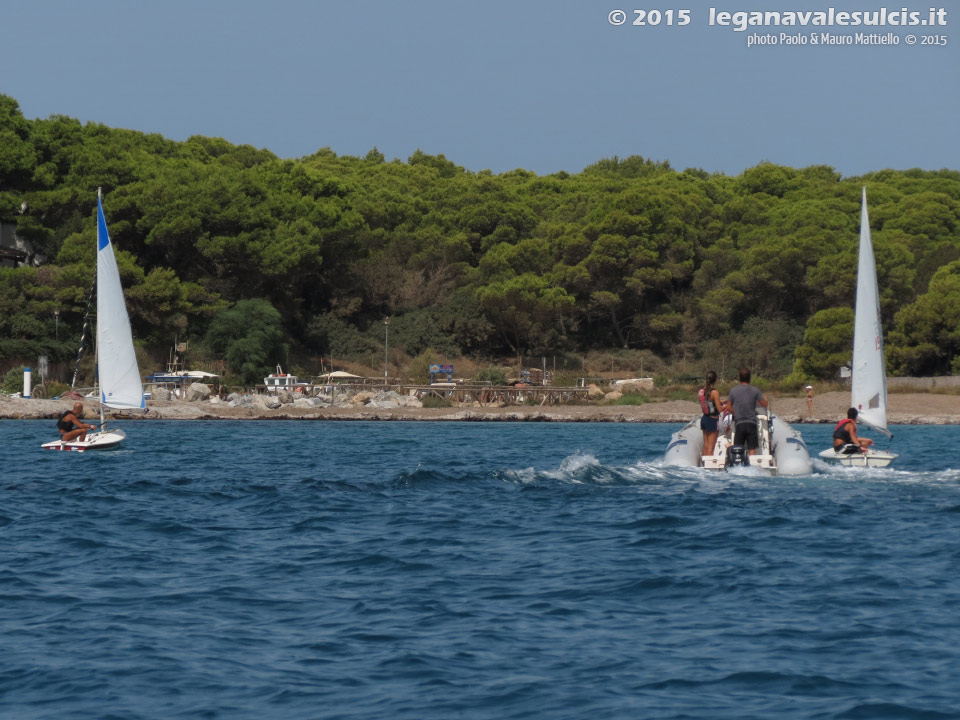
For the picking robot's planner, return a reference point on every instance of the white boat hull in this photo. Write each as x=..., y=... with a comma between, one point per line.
x=781, y=452
x=871, y=458
x=102, y=440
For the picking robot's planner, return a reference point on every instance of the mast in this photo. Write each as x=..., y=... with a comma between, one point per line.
x=96, y=335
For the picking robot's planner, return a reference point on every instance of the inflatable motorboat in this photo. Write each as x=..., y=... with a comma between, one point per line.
x=781, y=449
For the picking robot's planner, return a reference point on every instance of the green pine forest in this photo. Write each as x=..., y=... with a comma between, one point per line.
x=257, y=260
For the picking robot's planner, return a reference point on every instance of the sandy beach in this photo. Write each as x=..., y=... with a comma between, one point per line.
x=905, y=408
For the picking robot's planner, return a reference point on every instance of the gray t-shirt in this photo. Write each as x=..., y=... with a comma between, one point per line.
x=745, y=399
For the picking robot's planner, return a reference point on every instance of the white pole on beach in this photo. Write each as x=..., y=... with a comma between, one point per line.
x=386, y=346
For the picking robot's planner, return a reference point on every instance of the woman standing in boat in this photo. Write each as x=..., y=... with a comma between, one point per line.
x=712, y=406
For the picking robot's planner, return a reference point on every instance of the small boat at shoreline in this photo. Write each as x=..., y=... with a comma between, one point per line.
x=279, y=381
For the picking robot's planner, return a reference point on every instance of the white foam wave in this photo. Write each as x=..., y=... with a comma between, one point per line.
x=571, y=469
x=891, y=474
x=747, y=471
x=577, y=462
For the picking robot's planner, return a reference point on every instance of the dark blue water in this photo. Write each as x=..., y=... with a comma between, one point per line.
x=466, y=570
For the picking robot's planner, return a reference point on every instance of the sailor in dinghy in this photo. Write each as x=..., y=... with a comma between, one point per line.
x=868, y=382
x=119, y=376
x=845, y=438
x=71, y=427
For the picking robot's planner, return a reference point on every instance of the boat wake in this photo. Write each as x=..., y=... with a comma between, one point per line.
x=747, y=471
x=577, y=469
x=889, y=474
x=585, y=469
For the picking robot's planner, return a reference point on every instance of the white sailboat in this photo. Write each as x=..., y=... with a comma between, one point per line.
x=868, y=382
x=120, y=386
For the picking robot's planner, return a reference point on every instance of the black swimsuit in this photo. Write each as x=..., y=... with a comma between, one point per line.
x=65, y=425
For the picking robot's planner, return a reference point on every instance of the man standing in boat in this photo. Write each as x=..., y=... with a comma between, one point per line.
x=744, y=398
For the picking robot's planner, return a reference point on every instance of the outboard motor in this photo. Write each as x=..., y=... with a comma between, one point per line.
x=737, y=456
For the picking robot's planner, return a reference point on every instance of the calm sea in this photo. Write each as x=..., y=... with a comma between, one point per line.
x=465, y=570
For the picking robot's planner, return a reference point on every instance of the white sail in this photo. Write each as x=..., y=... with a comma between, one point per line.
x=116, y=361
x=869, y=375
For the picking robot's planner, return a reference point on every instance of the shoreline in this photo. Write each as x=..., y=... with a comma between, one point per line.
x=905, y=409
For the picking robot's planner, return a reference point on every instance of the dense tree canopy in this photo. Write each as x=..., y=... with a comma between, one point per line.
x=249, y=337
x=629, y=253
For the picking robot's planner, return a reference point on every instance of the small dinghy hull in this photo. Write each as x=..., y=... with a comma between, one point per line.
x=105, y=440
x=871, y=458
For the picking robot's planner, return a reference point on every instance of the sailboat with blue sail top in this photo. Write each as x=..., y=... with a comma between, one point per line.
x=120, y=385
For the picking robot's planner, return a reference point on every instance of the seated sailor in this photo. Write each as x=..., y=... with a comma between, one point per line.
x=71, y=427
x=845, y=438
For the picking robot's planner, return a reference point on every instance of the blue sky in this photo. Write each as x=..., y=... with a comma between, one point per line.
x=541, y=85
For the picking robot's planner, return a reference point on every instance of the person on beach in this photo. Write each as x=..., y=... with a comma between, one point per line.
x=70, y=425
x=809, y=400
x=845, y=438
x=744, y=399
x=712, y=406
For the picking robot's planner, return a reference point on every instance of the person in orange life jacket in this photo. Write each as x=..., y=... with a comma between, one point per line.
x=744, y=399
x=712, y=406
x=70, y=425
x=845, y=438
